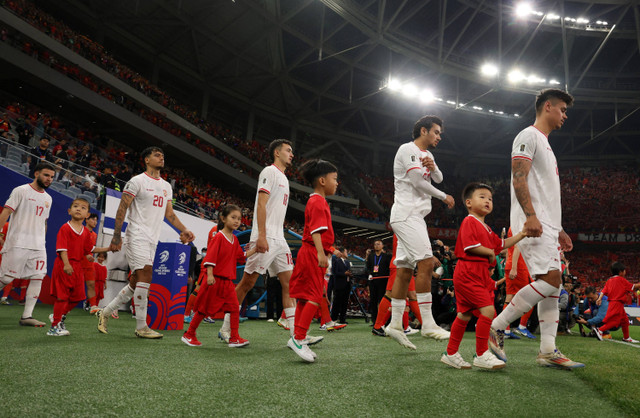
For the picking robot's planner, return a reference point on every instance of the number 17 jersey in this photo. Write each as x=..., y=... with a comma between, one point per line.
x=28, y=224
x=146, y=213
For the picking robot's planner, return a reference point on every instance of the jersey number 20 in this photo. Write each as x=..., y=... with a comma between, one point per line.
x=158, y=201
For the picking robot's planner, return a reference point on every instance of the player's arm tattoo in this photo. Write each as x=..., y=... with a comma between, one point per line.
x=125, y=202
x=173, y=218
x=520, y=170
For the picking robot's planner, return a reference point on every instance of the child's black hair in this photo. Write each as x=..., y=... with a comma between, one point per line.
x=617, y=268
x=82, y=199
x=92, y=215
x=314, y=169
x=468, y=190
x=224, y=212
x=104, y=254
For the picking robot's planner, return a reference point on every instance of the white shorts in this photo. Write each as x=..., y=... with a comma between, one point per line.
x=541, y=254
x=413, y=242
x=140, y=253
x=23, y=263
x=277, y=260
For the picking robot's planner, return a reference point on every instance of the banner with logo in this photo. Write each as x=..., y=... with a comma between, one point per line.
x=168, y=291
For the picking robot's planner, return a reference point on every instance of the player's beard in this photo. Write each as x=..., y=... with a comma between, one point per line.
x=41, y=184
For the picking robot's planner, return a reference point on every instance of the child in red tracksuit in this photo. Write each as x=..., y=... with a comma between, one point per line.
x=307, y=279
x=476, y=249
x=616, y=289
x=218, y=293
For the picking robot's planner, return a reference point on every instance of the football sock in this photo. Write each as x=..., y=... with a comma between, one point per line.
x=304, y=315
x=482, y=334
x=324, y=311
x=290, y=316
x=625, y=328
x=397, y=310
x=503, y=308
x=59, y=309
x=522, y=302
x=192, y=299
x=424, y=303
x=6, y=290
x=93, y=301
x=405, y=320
x=384, y=312
x=525, y=319
x=226, y=323
x=234, y=322
x=141, y=300
x=70, y=306
x=195, y=322
x=123, y=296
x=415, y=308
x=457, y=332
x=33, y=291
x=548, y=315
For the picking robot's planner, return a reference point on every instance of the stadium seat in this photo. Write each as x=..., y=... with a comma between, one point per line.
x=75, y=190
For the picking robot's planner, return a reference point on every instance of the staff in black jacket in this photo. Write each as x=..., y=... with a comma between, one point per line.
x=378, y=271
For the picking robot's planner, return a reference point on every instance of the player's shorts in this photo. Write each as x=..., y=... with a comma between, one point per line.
x=307, y=281
x=473, y=286
x=140, y=253
x=100, y=289
x=23, y=263
x=67, y=287
x=219, y=297
x=392, y=279
x=413, y=242
x=88, y=270
x=514, y=285
x=277, y=260
x=542, y=254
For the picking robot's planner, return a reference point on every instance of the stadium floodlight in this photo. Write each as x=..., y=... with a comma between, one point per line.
x=515, y=76
x=451, y=102
x=489, y=70
x=410, y=90
x=583, y=20
x=553, y=16
x=426, y=96
x=500, y=112
x=477, y=107
x=523, y=10
x=516, y=115
x=490, y=110
x=394, y=84
x=554, y=82
x=605, y=23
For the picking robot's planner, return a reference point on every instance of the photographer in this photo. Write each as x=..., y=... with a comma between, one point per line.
x=589, y=313
x=566, y=305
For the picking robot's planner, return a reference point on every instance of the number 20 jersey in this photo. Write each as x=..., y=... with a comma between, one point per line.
x=146, y=213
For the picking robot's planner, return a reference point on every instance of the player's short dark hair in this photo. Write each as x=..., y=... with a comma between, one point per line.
x=426, y=122
x=276, y=144
x=468, y=190
x=44, y=166
x=551, y=94
x=314, y=169
x=80, y=198
x=224, y=212
x=617, y=268
x=92, y=215
x=150, y=150
x=589, y=290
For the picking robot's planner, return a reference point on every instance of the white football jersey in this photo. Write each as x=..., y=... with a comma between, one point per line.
x=407, y=199
x=543, y=180
x=28, y=222
x=275, y=183
x=146, y=213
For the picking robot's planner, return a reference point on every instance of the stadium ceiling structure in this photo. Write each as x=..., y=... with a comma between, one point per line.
x=362, y=71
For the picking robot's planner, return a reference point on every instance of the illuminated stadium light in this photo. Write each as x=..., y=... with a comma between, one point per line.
x=489, y=70
x=500, y=112
x=477, y=108
x=394, y=84
x=553, y=16
x=523, y=10
x=490, y=110
x=438, y=99
x=426, y=96
x=410, y=90
x=451, y=102
x=515, y=76
x=583, y=20
x=537, y=13
x=554, y=82
x=516, y=115
x=535, y=79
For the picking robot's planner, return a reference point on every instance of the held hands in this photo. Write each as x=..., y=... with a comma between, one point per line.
x=90, y=258
x=599, y=301
x=492, y=259
x=262, y=246
x=428, y=163
x=532, y=227
x=68, y=269
x=187, y=235
x=322, y=260
x=116, y=244
x=513, y=274
x=449, y=201
x=210, y=279
x=565, y=242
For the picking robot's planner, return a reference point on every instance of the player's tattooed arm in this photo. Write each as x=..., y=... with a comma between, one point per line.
x=520, y=170
x=125, y=202
x=173, y=220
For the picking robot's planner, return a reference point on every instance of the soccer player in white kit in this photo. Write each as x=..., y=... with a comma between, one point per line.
x=536, y=209
x=413, y=170
x=148, y=197
x=267, y=232
x=24, y=255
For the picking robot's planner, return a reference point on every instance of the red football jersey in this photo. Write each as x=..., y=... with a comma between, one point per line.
x=76, y=244
x=101, y=272
x=317, y=218
x=617, y=288
x=474, y=233
x=212, y=233
x=224, y=256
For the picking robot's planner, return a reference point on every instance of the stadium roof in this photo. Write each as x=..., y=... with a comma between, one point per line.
x=365, y=70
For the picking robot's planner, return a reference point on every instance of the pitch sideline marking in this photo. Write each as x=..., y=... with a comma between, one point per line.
x=625, y=343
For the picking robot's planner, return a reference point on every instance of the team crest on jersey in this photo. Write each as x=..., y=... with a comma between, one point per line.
x=264, y=181
x=165, y=193
x=46, y=205
x=522, y=147
x=413, y=158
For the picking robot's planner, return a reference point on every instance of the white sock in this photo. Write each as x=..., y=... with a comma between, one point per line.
x=290, y=315
x=123, y=296
x=141, y=301
x=548, y=315
x=522, y=327
x=522, y=302
x=397, y=311
x=226, y=323
x=33, y=291
x=425, y=303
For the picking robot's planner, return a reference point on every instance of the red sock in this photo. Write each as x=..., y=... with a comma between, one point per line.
x=525, y=318
x=192, y=300
x=482, y=334
x=70, y=306
x=405, y=320
x=59, y=309
x=234, y=322
x=324, y=311
x=625, y=327
x=303, y=320
x=413, y=305
x=384, y=312
x=7, y=290
x=93, y=301
x=195, y=322
x=457, y=332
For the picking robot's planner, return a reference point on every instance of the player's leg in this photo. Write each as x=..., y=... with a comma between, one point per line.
x=484, y=358
x=141, y=279
x=5, y=292
x=425, y=301
x=35, y=268
x=451, y=356
x=413, y=302
x=288, y=304
x=242, y=288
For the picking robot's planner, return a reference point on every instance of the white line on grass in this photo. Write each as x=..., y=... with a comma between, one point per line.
x=624, y=342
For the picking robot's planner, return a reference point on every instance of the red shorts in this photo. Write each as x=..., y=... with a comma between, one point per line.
x=514, y=285
x=100, y=289
x=89, y=271
x=392, y=279
x=307, y=279
x=219, y=297
x=616, y=314
x=65, y=287
x=473, y=286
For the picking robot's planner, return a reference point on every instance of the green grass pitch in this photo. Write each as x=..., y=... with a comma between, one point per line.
x=357, y=374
